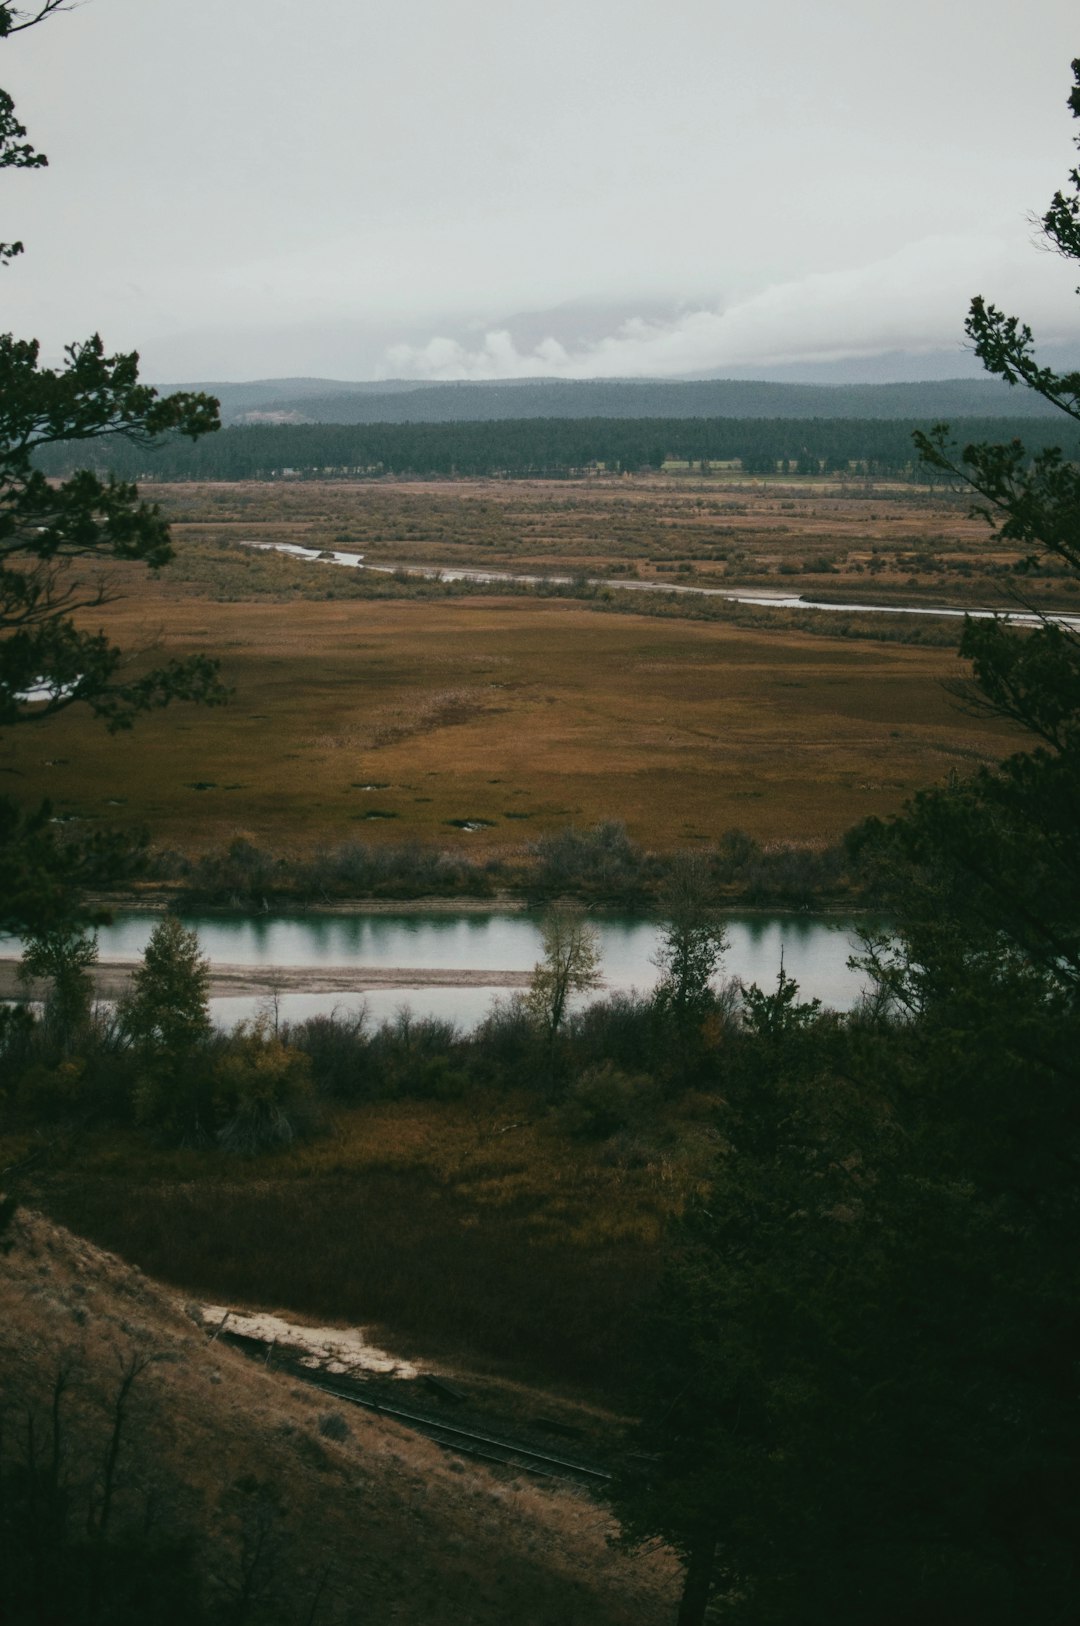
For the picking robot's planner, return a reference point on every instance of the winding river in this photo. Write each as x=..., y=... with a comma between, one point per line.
x=768, y=601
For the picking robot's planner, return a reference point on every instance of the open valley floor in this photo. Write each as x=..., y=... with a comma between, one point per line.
x=388, y=710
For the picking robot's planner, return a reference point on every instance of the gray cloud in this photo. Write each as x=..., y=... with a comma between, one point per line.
x=909, y=301
x=259, y=188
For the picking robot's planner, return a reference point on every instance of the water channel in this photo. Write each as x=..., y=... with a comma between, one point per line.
x=766, y=600
x=815, y=952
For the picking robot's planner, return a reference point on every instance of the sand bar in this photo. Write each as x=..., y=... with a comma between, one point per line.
x=111, y=978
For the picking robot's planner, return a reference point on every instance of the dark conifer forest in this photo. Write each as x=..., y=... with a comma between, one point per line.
x=548, y=447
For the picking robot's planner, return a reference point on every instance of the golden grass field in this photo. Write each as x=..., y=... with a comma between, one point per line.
x=526, y=712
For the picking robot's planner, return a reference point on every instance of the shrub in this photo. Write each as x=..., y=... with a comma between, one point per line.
x=422, y=1057
x=17, y=1032
x=175, y=1098
x=505, y=1050
x=603, y=1100
x=336, y=1047
x=46, y=1092
x=599, y=863
x=261, y=1091
x=621, y=1029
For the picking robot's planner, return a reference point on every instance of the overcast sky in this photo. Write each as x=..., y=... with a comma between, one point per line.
x=487, y=188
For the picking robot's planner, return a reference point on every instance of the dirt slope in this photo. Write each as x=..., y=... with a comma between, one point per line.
x=353, y=1519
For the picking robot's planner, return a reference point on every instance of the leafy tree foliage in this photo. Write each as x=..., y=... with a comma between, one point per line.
x=859, y=1409
x=64, y=957
x=56, y=540
x=992, y=862
x=44, y=872
x=571, y=965
x=781, y=1016
x=166, y=1010
x=688, y=957
x=14, y=20
x=47, y=662
x=692, y=944
x=166, y=1019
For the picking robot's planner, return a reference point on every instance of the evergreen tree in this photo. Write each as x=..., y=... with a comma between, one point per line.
x=166, y=1019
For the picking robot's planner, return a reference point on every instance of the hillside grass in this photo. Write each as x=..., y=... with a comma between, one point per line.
x=239, y=1493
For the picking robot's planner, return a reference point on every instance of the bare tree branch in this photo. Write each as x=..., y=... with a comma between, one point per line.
x=13, y=21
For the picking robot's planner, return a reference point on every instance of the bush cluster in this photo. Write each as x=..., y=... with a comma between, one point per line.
x=597, y=865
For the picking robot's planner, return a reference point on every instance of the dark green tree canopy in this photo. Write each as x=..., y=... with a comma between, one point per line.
x=15, y=151
x=56, y=536
x=987, y=870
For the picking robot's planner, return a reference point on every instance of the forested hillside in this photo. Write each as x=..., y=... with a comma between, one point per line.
x=324, y=400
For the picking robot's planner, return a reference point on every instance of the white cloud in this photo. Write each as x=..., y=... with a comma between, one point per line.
x=914, y=299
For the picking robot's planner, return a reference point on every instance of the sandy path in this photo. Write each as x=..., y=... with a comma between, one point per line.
x=111, y=978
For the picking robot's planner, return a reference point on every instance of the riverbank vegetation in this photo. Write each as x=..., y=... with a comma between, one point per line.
x=501, y=1196
x=840, y=537
x=599, y=866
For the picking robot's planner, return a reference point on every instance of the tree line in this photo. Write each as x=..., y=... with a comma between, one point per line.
x=552, y=447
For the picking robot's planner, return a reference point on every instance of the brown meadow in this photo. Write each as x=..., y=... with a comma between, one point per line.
x=376, y=708
x=386, y=720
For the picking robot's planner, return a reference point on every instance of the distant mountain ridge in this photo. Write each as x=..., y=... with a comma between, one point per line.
x=323, y=400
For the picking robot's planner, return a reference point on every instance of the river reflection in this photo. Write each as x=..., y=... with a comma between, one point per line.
x=815, y=952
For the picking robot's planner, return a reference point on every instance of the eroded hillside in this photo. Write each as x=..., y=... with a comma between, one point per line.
x=256, y=1497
